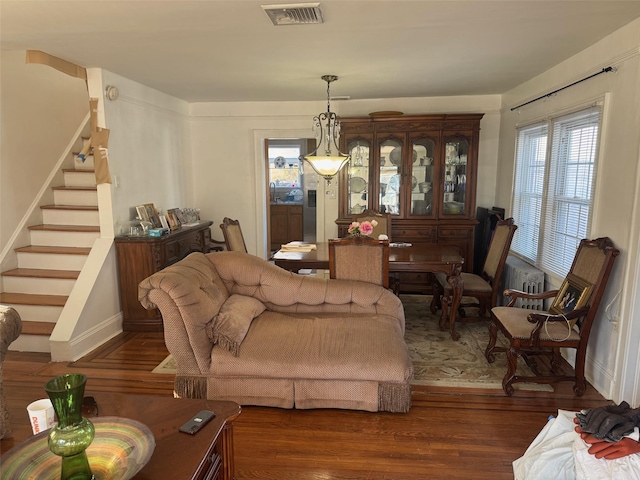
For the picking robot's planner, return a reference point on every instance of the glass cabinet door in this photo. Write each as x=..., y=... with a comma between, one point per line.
x=422, y=177
x=455, y=176
x=358, y=176
x=390, y=176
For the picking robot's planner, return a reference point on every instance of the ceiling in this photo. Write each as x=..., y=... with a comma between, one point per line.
x=213, y=50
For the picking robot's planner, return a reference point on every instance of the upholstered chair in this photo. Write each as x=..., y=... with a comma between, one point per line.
x=535, y=333
x=233, y=235
x=484, y=287
x=359, y=257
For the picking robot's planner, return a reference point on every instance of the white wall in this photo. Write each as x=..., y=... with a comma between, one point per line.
x=228, y=166
x=149, y=149
x=616, y=198
x=41, y=110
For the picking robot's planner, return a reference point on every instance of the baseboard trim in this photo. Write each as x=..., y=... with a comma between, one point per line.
x=87, y=342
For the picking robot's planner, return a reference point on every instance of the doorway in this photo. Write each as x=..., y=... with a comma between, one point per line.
x=292, y=192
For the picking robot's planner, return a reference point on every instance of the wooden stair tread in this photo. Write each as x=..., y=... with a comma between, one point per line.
x=70, y=207
x=33, y=299
x=64, y=187
x=42, y=273
x=57, y=250
x=66, y=228
x=78, y=170
x=37, y=328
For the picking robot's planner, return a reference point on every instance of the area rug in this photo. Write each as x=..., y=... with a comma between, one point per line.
x=437, y=359
x=440, y=361
x=168, y=366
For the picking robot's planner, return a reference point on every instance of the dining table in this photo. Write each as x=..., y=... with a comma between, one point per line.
x=417, y=258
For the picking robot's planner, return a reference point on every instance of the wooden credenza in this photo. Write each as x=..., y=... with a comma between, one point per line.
x=140, y=257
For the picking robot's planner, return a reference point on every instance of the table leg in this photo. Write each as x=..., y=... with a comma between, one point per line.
x=456, y=283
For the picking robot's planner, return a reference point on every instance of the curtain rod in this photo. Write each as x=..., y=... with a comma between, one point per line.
x=604, y=70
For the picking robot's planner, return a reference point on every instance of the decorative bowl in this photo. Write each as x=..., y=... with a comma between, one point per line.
x=452, y=208
x=120, y=448
x=424, y=187
x=357, y=208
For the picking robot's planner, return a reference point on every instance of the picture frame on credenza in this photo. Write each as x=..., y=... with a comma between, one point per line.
x=142, y=213
x=152, y=214
x=180, y=216
x=172, y=219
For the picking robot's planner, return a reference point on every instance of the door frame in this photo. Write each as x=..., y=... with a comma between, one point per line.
x=260, y=138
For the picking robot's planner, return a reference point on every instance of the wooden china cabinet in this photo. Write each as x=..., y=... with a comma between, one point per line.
x=422, y=169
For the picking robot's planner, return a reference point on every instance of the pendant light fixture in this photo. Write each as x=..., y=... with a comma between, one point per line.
x=327, y=159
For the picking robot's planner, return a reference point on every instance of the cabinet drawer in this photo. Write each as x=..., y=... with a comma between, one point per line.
x=295, y=209
x=213, y=468
x=415, y=282
x=172, y=252
x=420, y=234
x=178, y=249
x=454, y=232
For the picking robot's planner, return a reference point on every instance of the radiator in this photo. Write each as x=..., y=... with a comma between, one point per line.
x=520, y=275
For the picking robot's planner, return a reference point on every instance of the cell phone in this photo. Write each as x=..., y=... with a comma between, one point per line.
x=198, y=421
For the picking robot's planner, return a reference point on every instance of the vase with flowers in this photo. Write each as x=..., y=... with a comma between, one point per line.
x=362, y=228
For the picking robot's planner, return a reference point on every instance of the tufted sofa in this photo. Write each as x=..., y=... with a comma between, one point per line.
x=10, y=329
x=243, y=329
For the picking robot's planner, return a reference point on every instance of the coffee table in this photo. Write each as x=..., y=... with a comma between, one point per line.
x=432, y=258
x=207, y=454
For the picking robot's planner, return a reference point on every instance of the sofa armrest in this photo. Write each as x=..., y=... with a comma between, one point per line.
x=10, y=329
x=188, y=343
x=188, y=294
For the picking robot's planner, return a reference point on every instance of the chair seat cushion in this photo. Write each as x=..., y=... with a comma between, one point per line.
x=514, y=320
x=471, y=282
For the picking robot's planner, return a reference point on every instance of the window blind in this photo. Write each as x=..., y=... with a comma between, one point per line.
x=531, y=151
x=553, y=188
x=572, y=173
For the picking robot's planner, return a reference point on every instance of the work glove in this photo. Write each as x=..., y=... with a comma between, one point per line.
x=611, y=422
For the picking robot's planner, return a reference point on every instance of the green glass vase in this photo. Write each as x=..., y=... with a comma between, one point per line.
x=73, y=434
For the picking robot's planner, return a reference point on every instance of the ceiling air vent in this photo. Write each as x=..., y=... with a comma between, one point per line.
x=294, y=14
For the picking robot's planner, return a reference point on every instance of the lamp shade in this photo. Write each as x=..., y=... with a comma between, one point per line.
x=325, y=165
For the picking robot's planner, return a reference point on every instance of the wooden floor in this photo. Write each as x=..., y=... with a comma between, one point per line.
x=452, y=434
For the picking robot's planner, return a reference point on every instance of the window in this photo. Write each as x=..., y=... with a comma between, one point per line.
x=553, y=190
x=284, y=166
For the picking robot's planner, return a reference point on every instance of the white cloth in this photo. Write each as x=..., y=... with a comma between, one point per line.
x=559, y=453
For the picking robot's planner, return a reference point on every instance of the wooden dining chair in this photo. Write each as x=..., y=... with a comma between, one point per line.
x=383, y=219
x=532, y=333
x=233, y=235
x=359, y=257
x=484, y=287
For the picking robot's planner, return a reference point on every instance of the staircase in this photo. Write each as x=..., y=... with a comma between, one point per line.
x=48, y=268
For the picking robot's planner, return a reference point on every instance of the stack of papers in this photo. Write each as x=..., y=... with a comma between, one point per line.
x=298, y=247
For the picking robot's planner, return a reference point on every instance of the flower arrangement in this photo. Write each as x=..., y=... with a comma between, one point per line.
x=362, y=228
